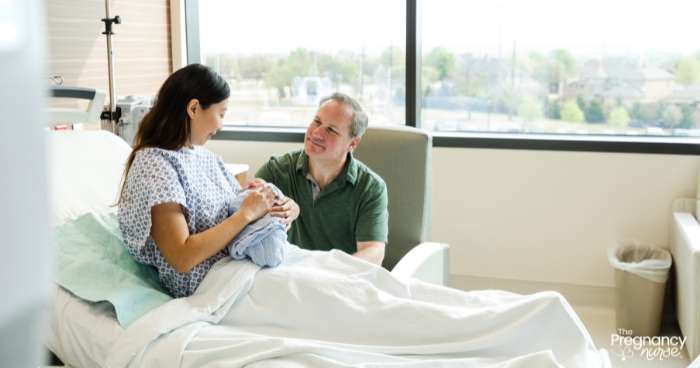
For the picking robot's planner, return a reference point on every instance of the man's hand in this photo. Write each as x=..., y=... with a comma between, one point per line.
x=286, y=209
x=254, y=184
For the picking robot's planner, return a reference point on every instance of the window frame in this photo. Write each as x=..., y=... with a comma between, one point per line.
x=488, y=140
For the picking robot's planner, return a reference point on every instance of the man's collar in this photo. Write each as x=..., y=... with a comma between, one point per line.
x=303, y=163
x=351, y=169
x=349, y=173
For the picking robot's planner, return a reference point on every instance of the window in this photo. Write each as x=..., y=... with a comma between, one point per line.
x=619, y=76
x=281, y=57
x=593, y=68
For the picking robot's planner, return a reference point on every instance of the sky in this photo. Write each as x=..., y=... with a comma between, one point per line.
x=593, y=27
x=253, y=26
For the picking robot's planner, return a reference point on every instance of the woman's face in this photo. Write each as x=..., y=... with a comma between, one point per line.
x=205, y=122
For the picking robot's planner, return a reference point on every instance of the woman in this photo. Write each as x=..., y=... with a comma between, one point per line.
x=175, y=198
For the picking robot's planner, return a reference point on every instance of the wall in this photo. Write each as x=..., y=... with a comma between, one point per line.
x=546, y=217
x=141, y=44
x=550, y=216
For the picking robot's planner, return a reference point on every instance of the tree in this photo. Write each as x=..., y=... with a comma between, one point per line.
x=254, y=66
x=442, y=60
x=539, y=67
x=339, y=68
x=594, y=112
x=688, y=71
x=299, y=63
x=469, y=79
x=646, y=113
x=571, y=112
x=395, y=59
x=428, y=75
x=554, y=110
x=671, y=116
x=618, y=117
x=565, y=62
x=564, y=67
x=224, y=64
x=688, y=120
x=530, y=109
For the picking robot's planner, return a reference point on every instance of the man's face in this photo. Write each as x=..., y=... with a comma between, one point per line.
x=328, y=136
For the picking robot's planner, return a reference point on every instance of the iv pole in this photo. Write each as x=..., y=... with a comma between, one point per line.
x=113, y=113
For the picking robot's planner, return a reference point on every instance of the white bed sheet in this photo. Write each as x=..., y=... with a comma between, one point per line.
x=329, y=309
x=81, y=334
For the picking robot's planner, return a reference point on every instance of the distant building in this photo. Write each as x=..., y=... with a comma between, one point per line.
x=689, y=95
x=616, y=80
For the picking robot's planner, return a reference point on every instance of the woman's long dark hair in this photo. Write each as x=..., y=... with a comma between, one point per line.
x=167, y=124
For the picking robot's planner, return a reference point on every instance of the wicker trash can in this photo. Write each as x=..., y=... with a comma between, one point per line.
x=640, y=282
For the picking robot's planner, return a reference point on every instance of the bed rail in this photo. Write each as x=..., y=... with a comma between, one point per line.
x=90, y=115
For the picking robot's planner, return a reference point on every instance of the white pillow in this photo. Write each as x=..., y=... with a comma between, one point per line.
x=85, y=171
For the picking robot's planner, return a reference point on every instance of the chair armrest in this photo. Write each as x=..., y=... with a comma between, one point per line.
x=684, y=205
x=695, y=364
x=427, y=262
x=685, y=248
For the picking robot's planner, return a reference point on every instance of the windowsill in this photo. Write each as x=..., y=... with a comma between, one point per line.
x=568, y=142
x=547, y=142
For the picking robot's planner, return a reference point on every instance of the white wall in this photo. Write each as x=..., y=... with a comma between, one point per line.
x=550, y=216
x=545, y=216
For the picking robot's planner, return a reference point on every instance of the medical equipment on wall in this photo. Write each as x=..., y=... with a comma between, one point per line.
x=133, y=109
x=123, y=114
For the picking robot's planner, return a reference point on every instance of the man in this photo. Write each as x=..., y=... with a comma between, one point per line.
x=342, y=204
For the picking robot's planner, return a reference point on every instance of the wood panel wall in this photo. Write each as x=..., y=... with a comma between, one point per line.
x=141, y=44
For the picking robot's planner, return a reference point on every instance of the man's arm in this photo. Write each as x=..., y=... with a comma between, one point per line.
x=371, y=251
x=373, y=225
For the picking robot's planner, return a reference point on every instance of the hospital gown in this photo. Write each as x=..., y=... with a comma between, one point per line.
x=194, y=178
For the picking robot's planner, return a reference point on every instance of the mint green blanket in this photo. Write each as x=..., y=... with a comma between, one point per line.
x=93, y=264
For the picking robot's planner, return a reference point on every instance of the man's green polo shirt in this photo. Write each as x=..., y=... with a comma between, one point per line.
x=351, y=209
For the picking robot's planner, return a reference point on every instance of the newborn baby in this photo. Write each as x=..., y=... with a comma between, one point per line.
x=263, y=241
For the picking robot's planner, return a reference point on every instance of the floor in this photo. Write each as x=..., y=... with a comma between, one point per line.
x=600, y=322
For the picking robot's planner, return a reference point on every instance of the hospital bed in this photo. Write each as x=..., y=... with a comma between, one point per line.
x=85, y=172
x=419, y=320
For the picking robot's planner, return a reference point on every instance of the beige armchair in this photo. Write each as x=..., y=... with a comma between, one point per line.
x=402, y=157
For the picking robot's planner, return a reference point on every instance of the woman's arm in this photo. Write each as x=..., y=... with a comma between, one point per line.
x=183, y=250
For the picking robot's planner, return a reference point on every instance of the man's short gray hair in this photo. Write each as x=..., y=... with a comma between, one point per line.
x=359, y=117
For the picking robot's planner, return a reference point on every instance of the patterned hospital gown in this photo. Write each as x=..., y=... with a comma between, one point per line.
x=196, y=179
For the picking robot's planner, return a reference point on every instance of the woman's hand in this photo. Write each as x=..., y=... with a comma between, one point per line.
x=257, y=204
x=286, y=209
